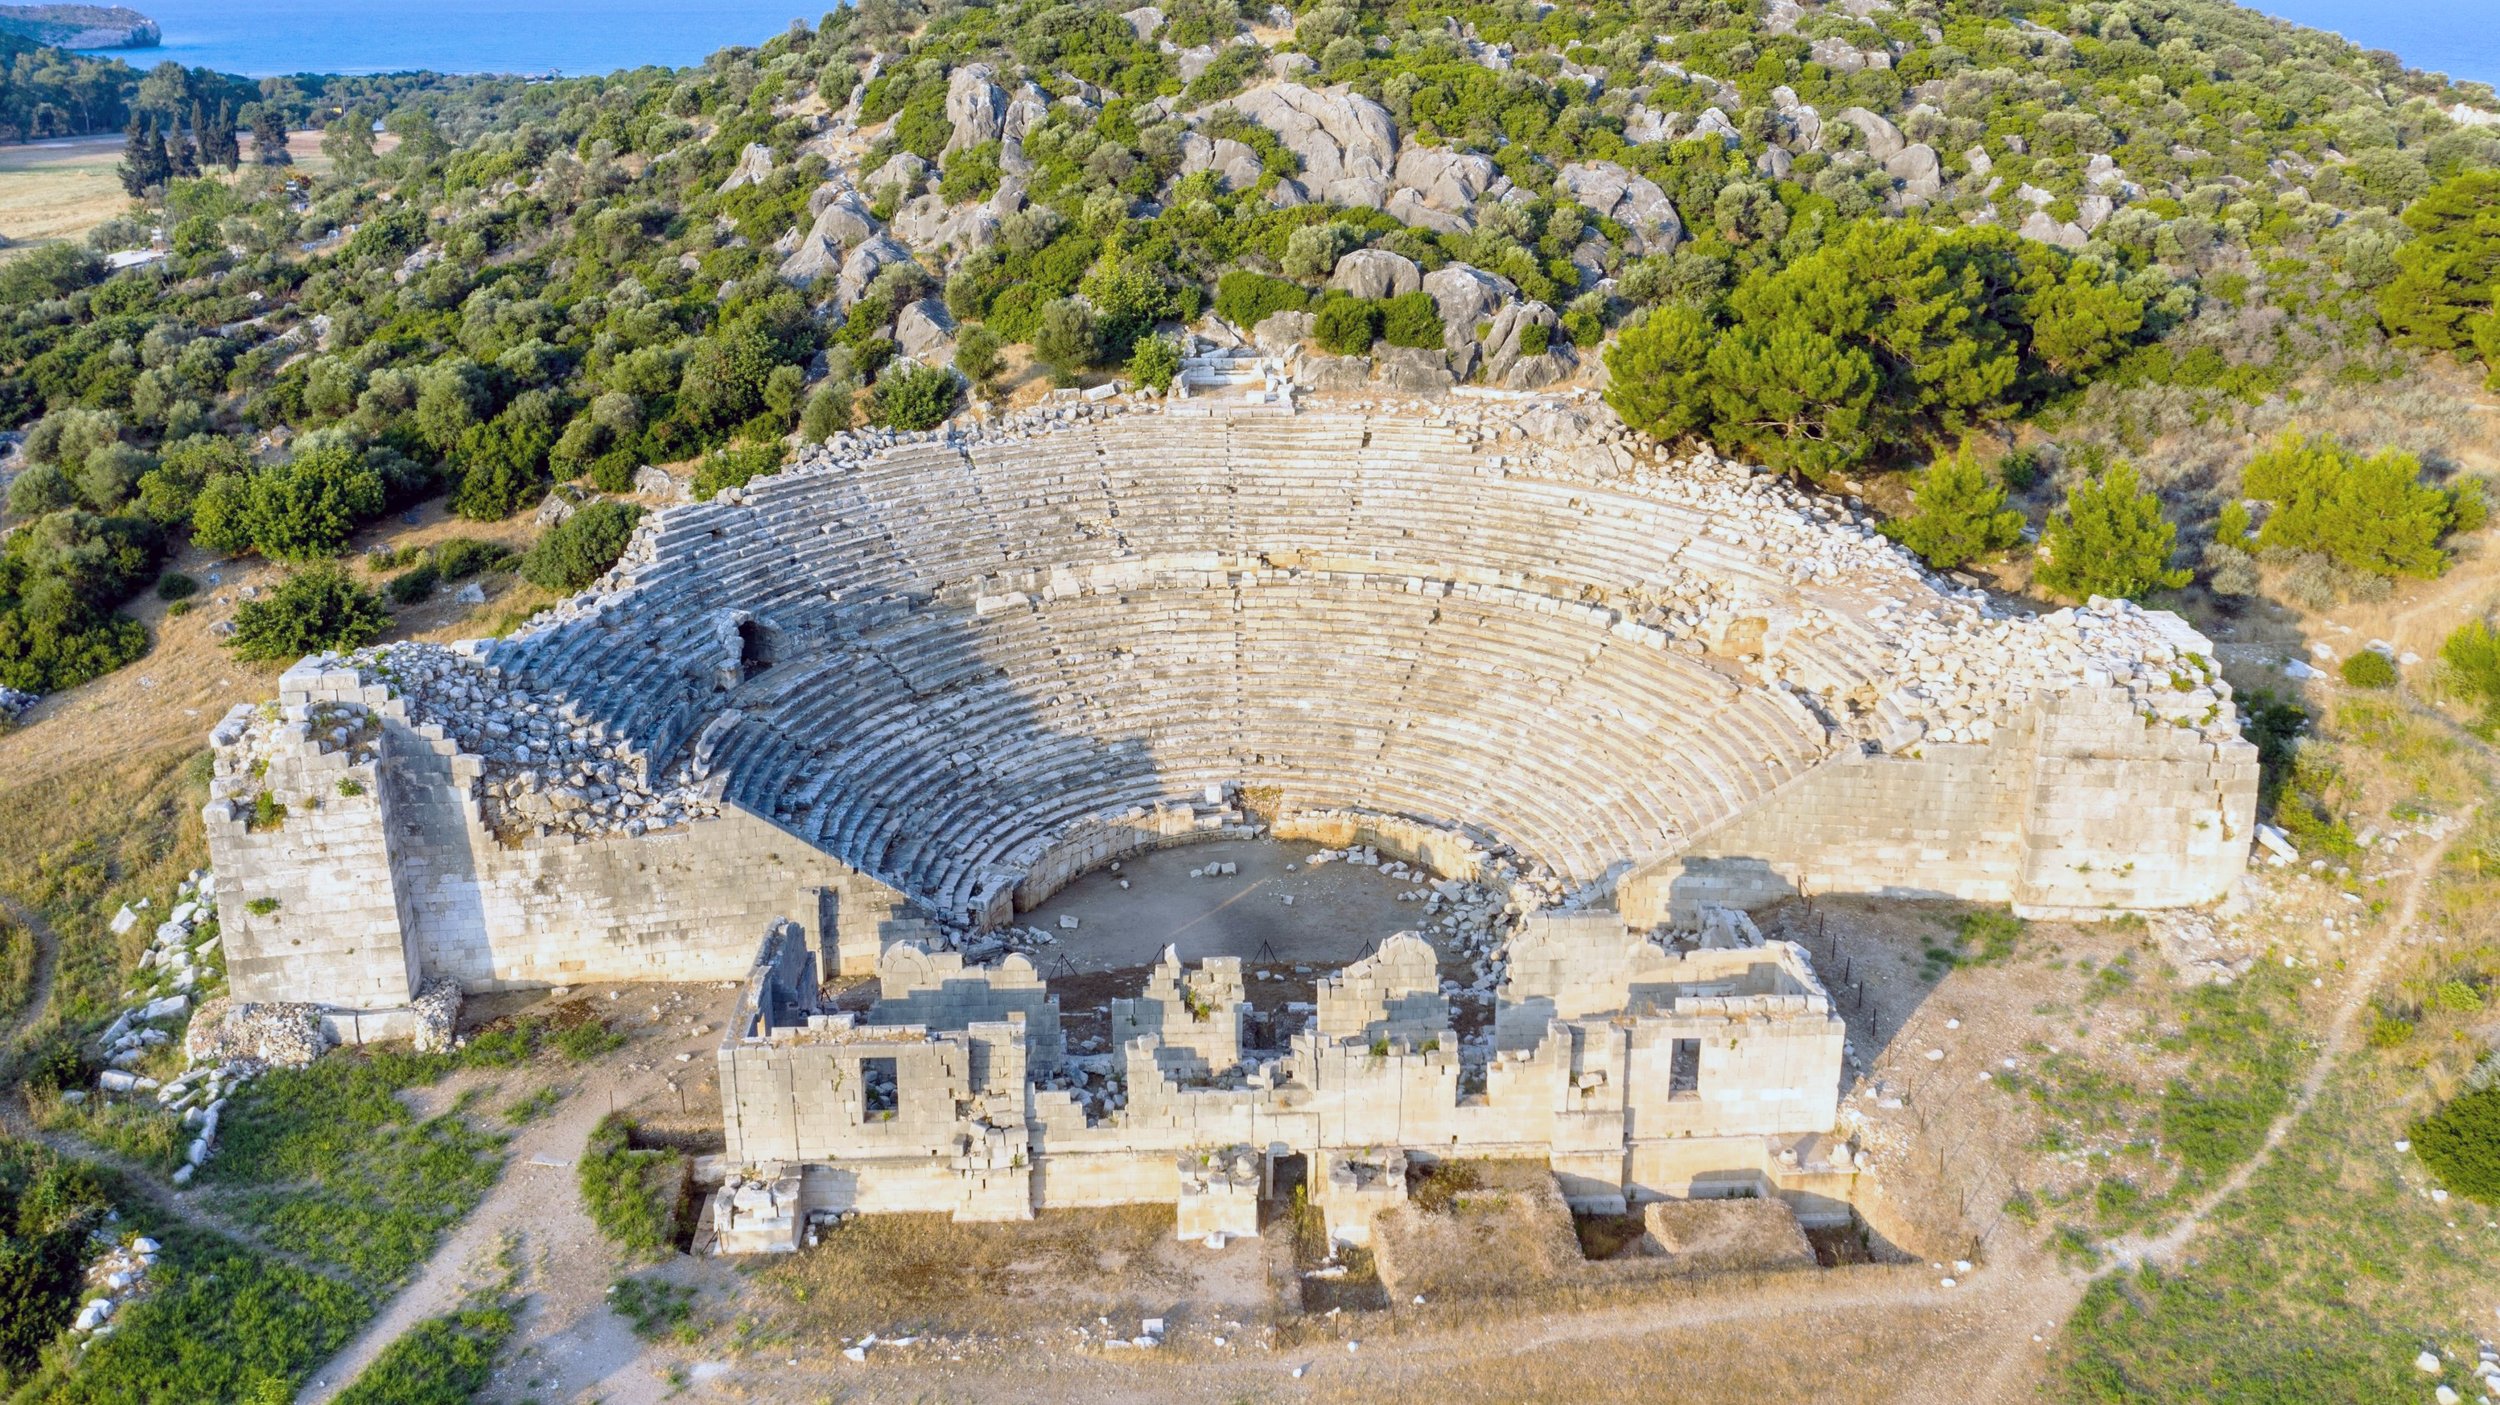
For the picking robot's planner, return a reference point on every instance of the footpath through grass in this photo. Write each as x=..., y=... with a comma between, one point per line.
x=2319, y=1282
x=329, y=1163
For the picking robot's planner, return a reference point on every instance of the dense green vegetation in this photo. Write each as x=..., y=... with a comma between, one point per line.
x=2461, y=1142
x=445, y=1360
x=554, y=281
x=327, y=1162
x=632, y=1195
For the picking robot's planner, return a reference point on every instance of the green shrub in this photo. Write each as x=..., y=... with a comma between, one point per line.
x=2110, y=539
x=631, y=1195
x=2461, y=1145
x=1960, y=515
x=1411, y=320
x=318, y=608
x=1346, y=326
x=2471, y=655
x=2369, y=669
x=734, y=467
x=1155, y=362
x=913, y=397
x=459, y=558
x=174, y=585
x=2370, y=514
x=581, y=548
x=976, y=352
x=445, y=1360
x=1246, y=299
x=414, y=586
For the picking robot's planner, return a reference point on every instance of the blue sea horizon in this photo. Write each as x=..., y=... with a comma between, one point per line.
x=260, y=38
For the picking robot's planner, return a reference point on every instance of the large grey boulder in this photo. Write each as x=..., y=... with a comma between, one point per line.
x=1282, y=332
x=1334, y=372
x=1235, y=163
x=1448, y=181
x=816, y=257
x=906, y=170
x=1505, y=349
x=1642, y=124
x=2038, y=225
x=842, y=216
x=1466, y=296
x=1713, y=125
x=861, y=268
x=1920, y=173
x=1143, y=22
x=1348, y=145
x=924, y=328
x=1883, y=140
x=1376, y=273
x=975, y=106
x=755, y=165
x=1633, y=201
x=1409, y=209
x=1420, y=370
x=928, y=222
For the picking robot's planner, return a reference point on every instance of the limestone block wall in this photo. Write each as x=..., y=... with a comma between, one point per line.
x=1194, y=1020
x=378, y=891
x=302, y=914
x=807, y=1099
x=674, y=904
x=2077, y=807
x=936, y=990
x=1393, y=993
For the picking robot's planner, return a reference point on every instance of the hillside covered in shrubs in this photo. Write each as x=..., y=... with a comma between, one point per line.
x=1836, y=239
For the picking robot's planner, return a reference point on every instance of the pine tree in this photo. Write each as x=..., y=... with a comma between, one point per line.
x=2111, y=539
x=269, y=136
x=134, y=167
x=223, y=148
x=1960, y=516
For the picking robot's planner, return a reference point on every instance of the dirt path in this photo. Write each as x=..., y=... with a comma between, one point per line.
x=2360, y=984
x=47, y=961
x=568, y=1342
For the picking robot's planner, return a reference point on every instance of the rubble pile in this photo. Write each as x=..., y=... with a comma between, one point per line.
x=1959, y=672
x=548, y=767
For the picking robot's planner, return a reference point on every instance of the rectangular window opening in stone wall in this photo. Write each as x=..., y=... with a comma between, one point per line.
x=1684, y=1071
x=880, y=1090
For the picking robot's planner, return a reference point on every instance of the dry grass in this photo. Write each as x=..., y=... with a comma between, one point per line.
x=76, y=844
x=926, y=1274
x=56, y=190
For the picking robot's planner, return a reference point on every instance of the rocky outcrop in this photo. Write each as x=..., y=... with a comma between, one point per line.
x=906, y=172
x=755, y=166
x=1883, y=140
x=1633, y=201
x=1376, y=273
x=975, y=106
x=923, y=329
x=861, y=268
x=1509, y=361
x=1234, y=163
x=1466, y=298
x=81, y=26
x=1347, y=144
x=1920, y=173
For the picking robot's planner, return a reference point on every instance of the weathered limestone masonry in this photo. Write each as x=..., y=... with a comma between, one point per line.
x=370, y=870
x=1635, y=1071
x=912, y=685
x=2078, y=808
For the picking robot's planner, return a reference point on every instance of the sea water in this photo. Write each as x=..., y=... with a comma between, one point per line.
x=260, y=37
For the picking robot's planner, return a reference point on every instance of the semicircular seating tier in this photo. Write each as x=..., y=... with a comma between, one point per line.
x=938, y=660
